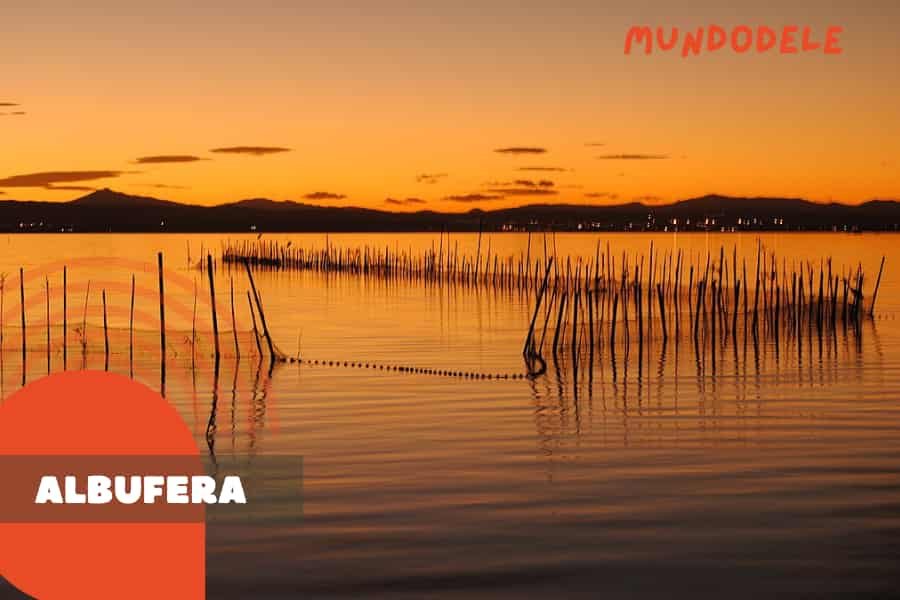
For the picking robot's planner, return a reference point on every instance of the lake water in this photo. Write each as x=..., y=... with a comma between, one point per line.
x=779, y=474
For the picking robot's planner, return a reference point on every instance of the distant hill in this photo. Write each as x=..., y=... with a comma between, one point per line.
x=109, y=211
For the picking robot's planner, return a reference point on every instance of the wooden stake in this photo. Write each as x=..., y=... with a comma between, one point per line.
x=262, y=315
x=529, y=340
x=255, y=330
x=131, y=325
x=65, y=317
x=105, y=332
x=162, y=317
x=877, y=284
x=22, y=304
x=212, y=300
x=47, y=295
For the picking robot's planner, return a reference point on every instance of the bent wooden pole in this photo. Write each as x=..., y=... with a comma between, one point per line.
x=262, y=315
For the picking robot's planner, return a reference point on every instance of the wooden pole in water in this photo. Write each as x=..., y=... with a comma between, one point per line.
x=612, y=322
x=262, y=315
x=47, y=295
x=22, y=305
x=255, y=330
x=237, y=350
x=559, y=316
x=131, y=325
x=756, y=288
x=877, y=284
x=162, y=317
x=87, y=295
x=575, y=307
x=194, y=325
x=529, y=340
x=478, y=252
x=662, y=312
x=212, y=300
x=590, y=306
x=65, y=317
x=105, y=333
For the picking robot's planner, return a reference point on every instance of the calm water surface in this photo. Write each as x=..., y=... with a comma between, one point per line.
x=777, y=475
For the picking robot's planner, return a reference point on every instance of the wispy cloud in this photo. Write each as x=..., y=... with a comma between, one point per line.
x=474, y=197
x=523, y=191
x=8, y=104
x=251, y=150
x=594, y=144
x=17, y=113
x=517, y=150
x=324, y=196
x=51, y=179
x=430, y=178
x=168, y=159
x=633, y=157
x=543, y=169
x=650, y=199
x=404, y=201
x=602, y=196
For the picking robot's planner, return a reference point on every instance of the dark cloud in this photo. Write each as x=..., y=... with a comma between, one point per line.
x=324, y=196
x=517, y=150
x=544, y=169
x=602, y=195
x=430, y=177
x=71, y=188
x=525, y=183
x=252, y=150
x=633, y=157
x=404, y=201
x=8, y=104
x=525, y=191
x=474, y=198
x=50, y=179
x=168, y=159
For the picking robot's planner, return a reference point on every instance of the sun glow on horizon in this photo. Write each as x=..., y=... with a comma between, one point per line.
x=504, y=106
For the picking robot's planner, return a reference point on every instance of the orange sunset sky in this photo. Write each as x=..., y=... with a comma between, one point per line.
x=353, y=103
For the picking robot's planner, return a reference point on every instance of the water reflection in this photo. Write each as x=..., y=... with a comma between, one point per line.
x=778, y=449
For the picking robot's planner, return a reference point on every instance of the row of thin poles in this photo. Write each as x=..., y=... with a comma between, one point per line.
x=443, y=262
x=661, y=295
x=584, y=302
x=254, y=302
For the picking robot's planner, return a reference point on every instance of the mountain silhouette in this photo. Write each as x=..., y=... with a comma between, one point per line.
x=109, y=211
x=107, y=198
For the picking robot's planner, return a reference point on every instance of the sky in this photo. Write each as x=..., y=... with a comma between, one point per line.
x=441, y=105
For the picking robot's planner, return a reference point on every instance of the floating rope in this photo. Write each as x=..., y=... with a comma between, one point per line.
x=407, y=369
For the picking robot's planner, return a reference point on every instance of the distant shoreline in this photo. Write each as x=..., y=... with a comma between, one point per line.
x=106, y=211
